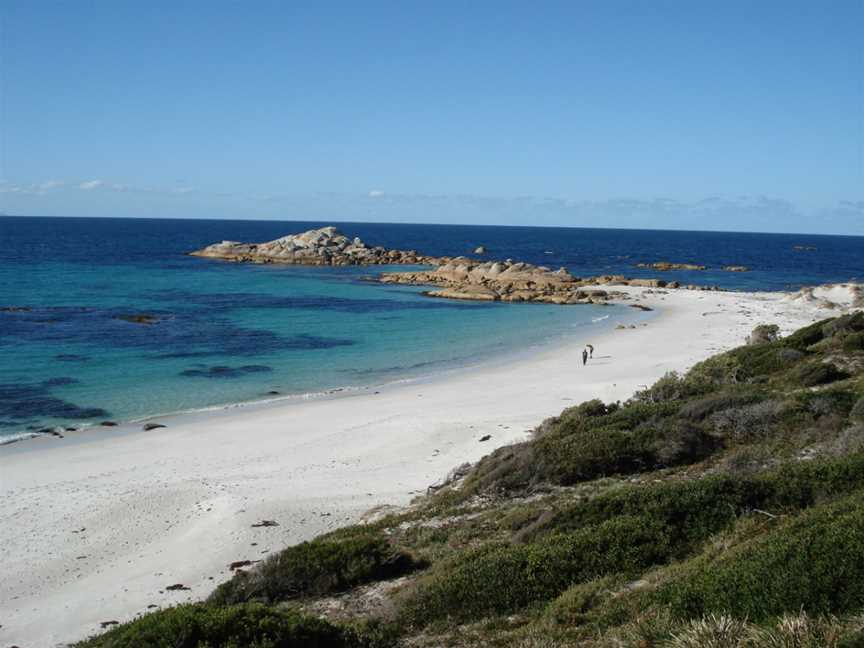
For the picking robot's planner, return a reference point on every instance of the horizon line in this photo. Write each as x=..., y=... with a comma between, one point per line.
x=272, y=220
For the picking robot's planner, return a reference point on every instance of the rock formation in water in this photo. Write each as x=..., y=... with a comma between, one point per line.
x=665, y=266
x=319, y=247
x=504, y=281
x=453, y=278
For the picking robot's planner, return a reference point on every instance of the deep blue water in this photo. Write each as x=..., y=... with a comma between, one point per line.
x=226, y=333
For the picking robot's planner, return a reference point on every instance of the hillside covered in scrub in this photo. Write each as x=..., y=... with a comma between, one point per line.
x=724, y=507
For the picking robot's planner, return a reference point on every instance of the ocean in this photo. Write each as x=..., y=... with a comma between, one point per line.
x=72, y=355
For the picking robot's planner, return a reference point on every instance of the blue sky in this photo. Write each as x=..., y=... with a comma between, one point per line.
x=696, y=115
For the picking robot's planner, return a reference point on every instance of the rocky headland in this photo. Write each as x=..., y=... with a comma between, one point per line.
x=319, y=247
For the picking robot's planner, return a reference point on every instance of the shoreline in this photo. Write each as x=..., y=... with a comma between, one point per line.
x=99, y=530
x=29, y=440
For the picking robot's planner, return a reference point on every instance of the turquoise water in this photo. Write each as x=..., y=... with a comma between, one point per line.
x=225, y=333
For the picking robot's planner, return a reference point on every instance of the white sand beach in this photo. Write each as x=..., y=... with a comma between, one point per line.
x=96, y=526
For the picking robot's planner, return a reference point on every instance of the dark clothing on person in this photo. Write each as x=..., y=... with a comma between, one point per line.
x=584, y=357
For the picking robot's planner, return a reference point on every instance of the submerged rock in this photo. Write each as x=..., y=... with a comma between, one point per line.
x=665, y=266
x=138, y=318
x=222, y=371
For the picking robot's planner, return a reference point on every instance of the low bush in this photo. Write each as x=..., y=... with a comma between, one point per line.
x=621, y=532
x=239, y=626
x=315, y=568
x=671, y=387
x=690, y=511
x=819, y=373
x=854, y=342
x=843, y=325
x=746, y=422
x=573, y=606
x=499, y=578
x=805, y=337
x=857, y=411
x=813, y=562
x=590, y=441
x=700, y=408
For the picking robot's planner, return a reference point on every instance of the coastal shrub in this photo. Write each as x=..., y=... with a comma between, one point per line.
x=590, y=441
x=843, y=325
x=614, y=449
x=500, y=578
x=509, y=468
x=316, y=568
x=670, y=387
x=819, y=373
x=854, y=342
x=815, y=562
x=621, y=532
x=805, y=337
x=685, y=512
x=857, y=411
x=239, y=626
x=574, y=605
x=690, y=511
x=701, y=408
x=747, y=422
x=744, y=365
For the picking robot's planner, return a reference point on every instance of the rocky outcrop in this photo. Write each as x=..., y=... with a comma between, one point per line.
x=320, y=247
x=503, y=281
x=736, y=268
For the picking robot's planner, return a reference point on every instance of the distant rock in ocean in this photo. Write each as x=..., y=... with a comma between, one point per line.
x=325, y=246
x=456, y=277
x=666, y=266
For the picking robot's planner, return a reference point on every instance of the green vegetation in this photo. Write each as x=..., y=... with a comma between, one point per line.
x=724, y=507
x=236, y=626
x=813, y=561
x=315, y=568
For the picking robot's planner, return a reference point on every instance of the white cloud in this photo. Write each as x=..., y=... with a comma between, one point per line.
x=50, y=184
x=376, y=193
x=91, y=184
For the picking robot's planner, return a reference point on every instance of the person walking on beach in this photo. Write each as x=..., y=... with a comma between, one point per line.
x=584, y=357
x=590, y=350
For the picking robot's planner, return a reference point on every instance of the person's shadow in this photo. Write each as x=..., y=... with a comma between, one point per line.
x=605, y=359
